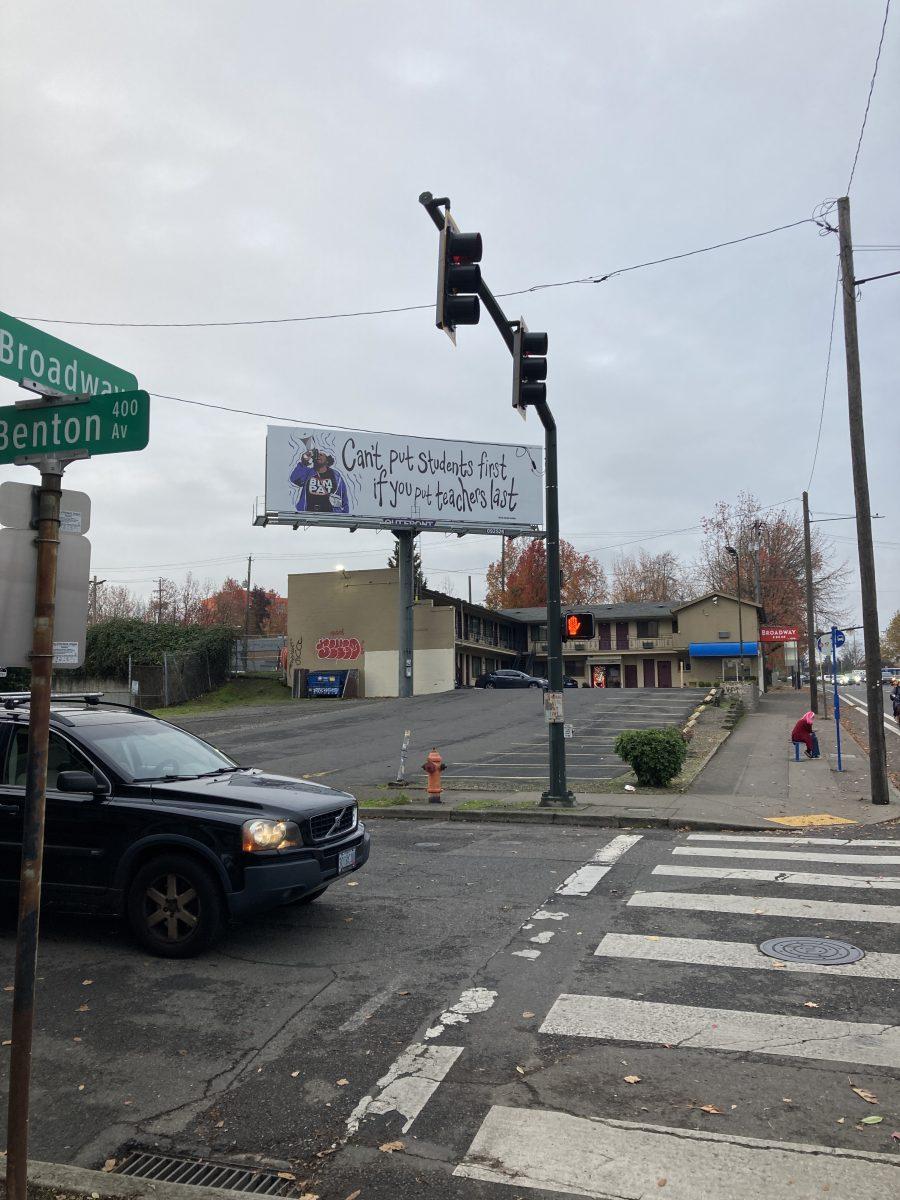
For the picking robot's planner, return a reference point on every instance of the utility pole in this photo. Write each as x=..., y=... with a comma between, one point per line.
x=810, y=621
x=736, y=552
x=874, y=699
x=95, y=584
x=159, y=586
x=503, y=563
x=470, y=589
x=247, y=614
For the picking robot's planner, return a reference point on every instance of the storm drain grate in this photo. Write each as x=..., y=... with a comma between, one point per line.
x=204, y=1173
x=824, y=952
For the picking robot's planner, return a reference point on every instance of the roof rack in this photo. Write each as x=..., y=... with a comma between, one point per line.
x=14, y=700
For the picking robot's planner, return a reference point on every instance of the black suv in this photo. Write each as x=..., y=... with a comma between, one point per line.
x=148, y=821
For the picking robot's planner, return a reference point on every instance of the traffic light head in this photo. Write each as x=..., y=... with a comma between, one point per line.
x=459, y=278
x=529, y=368
x=578, y=626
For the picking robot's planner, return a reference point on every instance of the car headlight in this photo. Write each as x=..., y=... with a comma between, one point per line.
x=263, y=834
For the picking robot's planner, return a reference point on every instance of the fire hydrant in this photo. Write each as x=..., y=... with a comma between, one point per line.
x=433, y=766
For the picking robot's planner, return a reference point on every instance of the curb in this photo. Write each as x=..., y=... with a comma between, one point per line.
x=707, y=760
x=562, y=817
x=58, y=1181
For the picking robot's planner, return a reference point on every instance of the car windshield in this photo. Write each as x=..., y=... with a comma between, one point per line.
x=152, y=750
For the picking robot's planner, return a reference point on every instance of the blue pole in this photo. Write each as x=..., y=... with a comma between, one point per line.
x=837, y=702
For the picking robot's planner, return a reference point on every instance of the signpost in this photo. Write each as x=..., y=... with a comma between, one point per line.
x=838, y=637
x=85, y=406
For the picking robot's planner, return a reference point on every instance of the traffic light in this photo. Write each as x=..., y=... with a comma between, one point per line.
x=459, y=278
x=529, y=368
x=578, y=626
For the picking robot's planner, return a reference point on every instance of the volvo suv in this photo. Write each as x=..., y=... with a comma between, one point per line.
x=149, y=822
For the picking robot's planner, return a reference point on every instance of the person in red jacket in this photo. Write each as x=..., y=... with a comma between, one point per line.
x=803, y=732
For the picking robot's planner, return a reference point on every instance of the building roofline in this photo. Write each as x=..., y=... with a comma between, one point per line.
x=709, y=595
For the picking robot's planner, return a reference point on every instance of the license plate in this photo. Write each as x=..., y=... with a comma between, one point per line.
x=347, y=859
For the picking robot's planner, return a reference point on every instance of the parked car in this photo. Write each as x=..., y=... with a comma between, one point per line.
x=570, y=682
x=149, y=822
x=510, y=679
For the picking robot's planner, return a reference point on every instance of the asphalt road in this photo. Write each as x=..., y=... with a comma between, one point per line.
x=486, y=737
x=455, y=1002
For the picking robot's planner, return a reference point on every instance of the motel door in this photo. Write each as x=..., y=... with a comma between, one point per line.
x=664, y=673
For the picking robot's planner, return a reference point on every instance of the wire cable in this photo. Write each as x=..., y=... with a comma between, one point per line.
x=837, y=280
x=887, y=9
x=378, y=312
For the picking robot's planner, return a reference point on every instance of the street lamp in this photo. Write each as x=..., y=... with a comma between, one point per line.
x=737, y=568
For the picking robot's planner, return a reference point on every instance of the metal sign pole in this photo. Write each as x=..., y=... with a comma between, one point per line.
x=33, y=832
x=837, y=702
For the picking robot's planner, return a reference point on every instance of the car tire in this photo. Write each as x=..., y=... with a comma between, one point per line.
x=535, y=685
x=489, y=685
x=310, y=896
x=175, y=907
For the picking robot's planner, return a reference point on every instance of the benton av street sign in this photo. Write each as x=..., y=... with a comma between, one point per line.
x=29, y=353
x=105, y=424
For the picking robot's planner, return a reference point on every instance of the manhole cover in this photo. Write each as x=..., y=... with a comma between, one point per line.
x=825, y=952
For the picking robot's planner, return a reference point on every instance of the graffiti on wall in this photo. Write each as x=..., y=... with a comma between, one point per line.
x=338, y=647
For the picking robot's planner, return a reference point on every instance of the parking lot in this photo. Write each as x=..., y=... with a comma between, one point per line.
x=487, y=738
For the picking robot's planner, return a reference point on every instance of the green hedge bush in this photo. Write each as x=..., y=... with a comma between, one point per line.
x=109, y=644
x=655, y=755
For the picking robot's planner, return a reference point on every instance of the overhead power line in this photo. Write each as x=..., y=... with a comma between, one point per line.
x=837, y=280
x=603, y=277
x=887, y=9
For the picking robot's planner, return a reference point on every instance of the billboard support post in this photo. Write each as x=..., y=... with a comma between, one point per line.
x=406, y=572
x=33, y=826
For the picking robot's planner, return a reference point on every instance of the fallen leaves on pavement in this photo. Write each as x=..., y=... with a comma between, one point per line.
x=527, y=1015
x=711, y=1108
x=390, y=1147
x=810, y=1004
x=343, y=1082
x=632, y=1078
x=83, y=1008
x=353, y=1195
x=864, y=1094
x=110, y=1164
x=873, y=1120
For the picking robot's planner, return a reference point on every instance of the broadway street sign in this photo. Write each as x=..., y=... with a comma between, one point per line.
x=56, y=429
x=29, y=353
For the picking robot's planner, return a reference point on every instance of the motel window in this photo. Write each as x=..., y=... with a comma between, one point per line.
x=648, y=629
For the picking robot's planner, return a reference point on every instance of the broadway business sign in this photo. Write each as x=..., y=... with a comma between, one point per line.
x=386, y=480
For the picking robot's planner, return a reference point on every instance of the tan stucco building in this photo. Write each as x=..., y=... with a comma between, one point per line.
x=349, y=620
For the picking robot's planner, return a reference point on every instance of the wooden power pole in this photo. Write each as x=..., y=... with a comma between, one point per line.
x=874, y=699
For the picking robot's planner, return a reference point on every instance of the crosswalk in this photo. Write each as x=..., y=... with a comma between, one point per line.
x=669, y=972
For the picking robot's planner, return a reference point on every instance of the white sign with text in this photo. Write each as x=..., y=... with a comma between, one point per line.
x=336, y=477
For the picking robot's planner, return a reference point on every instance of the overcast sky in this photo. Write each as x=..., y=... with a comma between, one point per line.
x=229, y=161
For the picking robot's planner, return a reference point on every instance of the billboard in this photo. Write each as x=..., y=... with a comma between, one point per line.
x=386, y=480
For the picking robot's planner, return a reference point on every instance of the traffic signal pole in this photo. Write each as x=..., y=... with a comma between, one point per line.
x=558, y=791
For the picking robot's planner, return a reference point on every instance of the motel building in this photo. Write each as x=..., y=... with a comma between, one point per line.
x=343, y=628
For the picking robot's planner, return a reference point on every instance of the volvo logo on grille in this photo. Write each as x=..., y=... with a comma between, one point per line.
x=338, y=822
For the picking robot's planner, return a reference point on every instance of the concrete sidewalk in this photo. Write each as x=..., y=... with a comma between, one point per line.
x=751, y=782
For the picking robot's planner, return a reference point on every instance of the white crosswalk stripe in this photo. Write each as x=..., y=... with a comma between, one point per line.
x=583, y=881
x=595, y=1156
x=787, y=878
x=864, y=860
x=764, y=906
x=708, y=953
x=793, y=841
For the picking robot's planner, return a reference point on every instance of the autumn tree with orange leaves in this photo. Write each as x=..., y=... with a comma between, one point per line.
x=776, y=536
x=583, y=577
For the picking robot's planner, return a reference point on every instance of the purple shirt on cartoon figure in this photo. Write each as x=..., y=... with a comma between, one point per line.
x=322, y=489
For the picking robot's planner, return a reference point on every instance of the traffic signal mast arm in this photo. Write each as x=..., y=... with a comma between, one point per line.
x=534, y=393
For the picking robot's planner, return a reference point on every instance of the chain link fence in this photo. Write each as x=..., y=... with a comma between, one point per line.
x=177, y=679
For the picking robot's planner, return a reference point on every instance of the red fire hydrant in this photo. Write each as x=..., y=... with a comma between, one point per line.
x=433, y=766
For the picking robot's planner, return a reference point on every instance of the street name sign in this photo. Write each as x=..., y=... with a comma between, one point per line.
x=29, y=353
x=104, y=424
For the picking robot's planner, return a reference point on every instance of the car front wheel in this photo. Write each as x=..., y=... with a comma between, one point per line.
x=175, y=907
x=489, y=684
x=534, y=685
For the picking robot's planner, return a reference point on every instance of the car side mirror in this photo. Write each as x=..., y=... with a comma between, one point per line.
x=81, y=781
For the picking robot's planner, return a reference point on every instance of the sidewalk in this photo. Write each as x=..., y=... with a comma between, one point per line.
x=752, y=782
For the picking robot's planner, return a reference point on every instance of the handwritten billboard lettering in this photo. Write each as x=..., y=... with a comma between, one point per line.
x=331, y=476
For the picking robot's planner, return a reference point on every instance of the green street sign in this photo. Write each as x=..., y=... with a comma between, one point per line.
x=29, y=353
x=104, y=424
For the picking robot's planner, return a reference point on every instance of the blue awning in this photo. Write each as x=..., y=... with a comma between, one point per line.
x=723, y=649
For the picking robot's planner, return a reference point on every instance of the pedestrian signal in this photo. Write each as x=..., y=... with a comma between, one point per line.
x=578, y=626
